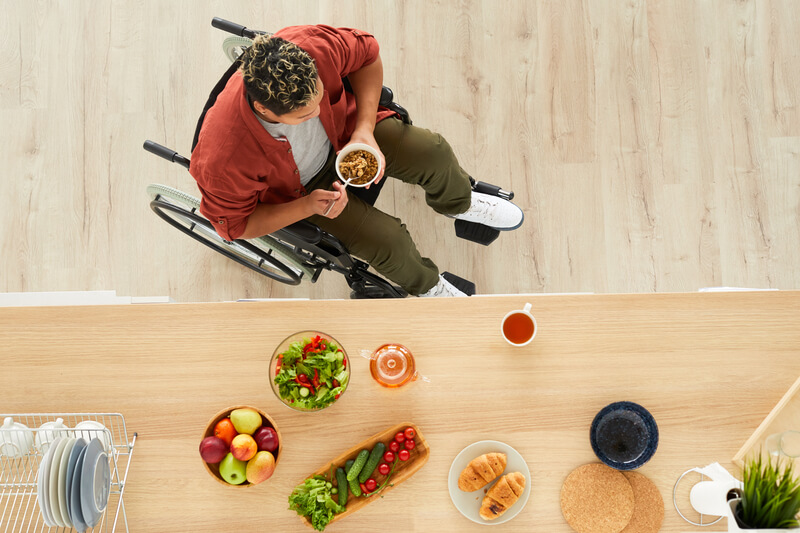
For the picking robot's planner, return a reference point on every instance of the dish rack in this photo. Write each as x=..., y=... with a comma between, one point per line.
x=19, y=510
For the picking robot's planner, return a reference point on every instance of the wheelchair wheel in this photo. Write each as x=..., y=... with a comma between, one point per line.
x=180, y=210
x=233, y=47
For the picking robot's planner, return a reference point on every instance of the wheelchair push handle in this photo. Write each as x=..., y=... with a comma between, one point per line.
x=167, y=153
x=232, y=27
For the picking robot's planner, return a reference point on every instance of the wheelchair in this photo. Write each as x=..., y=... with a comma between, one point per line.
x=301, y=250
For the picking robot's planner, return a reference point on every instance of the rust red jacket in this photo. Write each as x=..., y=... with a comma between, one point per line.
x=237, y=164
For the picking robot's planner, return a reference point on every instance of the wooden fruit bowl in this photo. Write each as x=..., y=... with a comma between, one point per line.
x=403, y=470
x=266, y=420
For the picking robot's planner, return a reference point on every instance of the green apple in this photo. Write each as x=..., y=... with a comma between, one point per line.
x=233, y=470
x=246, y=420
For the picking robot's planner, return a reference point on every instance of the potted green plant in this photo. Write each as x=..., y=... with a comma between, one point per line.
x=770, y=497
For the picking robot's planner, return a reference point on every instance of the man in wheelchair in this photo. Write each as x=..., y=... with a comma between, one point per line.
x=265, y=154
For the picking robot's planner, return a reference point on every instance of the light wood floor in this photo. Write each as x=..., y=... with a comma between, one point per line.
x=654, y=146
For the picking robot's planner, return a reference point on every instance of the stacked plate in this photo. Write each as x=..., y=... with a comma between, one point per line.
x=74, y=483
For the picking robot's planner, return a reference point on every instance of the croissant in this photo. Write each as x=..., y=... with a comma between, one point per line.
x=502, y=495
x=481, y=471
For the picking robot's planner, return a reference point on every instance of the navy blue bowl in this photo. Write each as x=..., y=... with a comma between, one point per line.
x=624, y=435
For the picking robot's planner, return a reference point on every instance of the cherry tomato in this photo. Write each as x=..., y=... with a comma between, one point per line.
x=394, y=446
x=371, y=485
x=403, y=455
x=410, y=444
x=400, y=437
x=363, y=488
x=383, y=469
x=410, y=433
x=388, y=457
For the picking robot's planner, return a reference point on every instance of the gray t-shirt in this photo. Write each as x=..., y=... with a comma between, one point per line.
x=309, y=142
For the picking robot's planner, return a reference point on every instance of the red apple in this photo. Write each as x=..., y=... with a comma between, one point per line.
x=266, y=438
x=243, y=447
x=213, y=449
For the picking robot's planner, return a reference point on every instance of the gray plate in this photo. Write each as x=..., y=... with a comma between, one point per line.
x=95, y=482
x=75, y=492
x=80, y=444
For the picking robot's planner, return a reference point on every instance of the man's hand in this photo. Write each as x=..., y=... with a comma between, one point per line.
x=329, y=204
x=366, y=137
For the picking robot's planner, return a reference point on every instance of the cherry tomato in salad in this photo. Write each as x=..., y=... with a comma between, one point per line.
x=400, y=437
x=394, y=446
x=403, y=455
x=371, y=484
x=383, y=469
x=388, y=457
x=410, y=433
x=410, y=444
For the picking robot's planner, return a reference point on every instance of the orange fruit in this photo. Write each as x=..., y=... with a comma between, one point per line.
x=225, y=430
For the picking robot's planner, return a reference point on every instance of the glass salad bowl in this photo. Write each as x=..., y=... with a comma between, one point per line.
x=309, y=371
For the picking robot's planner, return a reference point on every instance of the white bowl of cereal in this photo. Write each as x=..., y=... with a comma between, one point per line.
x=358, y=164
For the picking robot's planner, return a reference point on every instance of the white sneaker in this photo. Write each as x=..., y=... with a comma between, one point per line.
x=443, y=288
x=492, y=211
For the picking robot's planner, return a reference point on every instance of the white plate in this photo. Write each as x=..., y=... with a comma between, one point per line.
x=75, y=493
x=469, y=503
x=43, y=486
x=95, y=482
x=62, y=480
x=52, y=489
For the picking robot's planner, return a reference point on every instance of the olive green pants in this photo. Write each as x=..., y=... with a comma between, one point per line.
x=413, y=155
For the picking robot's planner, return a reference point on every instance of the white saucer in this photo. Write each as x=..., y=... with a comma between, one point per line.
x=55, y=464
x=95, y=482
x=469, y=503
x=43, y=485
x=75, y=493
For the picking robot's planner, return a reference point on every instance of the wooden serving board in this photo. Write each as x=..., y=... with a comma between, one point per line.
x=402, y=471
x=783, y=417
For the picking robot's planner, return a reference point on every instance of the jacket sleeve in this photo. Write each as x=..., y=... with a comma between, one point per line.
x=227, y=210
x=345, y=49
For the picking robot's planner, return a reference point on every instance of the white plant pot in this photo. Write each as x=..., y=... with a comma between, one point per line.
x=733, y=525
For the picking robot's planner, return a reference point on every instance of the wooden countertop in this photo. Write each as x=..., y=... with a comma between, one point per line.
x=708, y=366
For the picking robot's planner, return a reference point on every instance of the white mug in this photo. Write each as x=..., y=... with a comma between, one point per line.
x=48, y=432
x=92, y=429
x=522, y=318
x=15, y=438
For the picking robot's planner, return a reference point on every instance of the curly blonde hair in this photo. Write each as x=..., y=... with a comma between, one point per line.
x=278, y=74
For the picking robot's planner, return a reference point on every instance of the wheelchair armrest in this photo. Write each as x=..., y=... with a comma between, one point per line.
x=387, y=96
x=303, y=230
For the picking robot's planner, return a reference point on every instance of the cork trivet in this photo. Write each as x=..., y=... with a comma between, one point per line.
x=597, y=499
x=648, y=506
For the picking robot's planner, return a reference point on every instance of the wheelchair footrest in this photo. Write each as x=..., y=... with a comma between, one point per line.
x=472, y=231
x=464, y=285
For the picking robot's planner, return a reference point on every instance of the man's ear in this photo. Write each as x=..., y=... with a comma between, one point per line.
x=258, y=106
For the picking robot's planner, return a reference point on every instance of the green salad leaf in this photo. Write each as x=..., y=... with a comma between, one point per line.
x=317, y=362
x=313, y=499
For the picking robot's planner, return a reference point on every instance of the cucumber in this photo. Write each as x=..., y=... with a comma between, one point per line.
x=357, y=466
x=372, y=462
x=348, y=465
x=341, y=483
x=354, y=487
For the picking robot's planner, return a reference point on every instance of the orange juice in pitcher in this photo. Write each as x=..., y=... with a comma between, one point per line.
x=392, y=365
